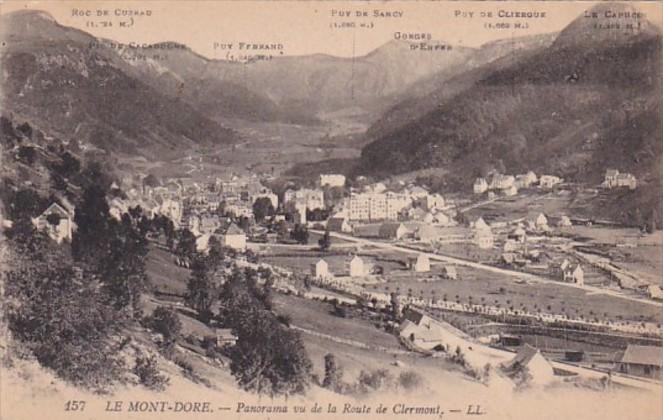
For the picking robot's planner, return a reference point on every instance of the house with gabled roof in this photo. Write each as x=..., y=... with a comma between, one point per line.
x=654, y=291
x=480, y=186
x=419, y=264
x=549, y=181
x=357, y=267
x=56, y=221
x=320, y=269
x=449, y=272
x=392, y=230
x=232, y=237
x=638, y=360
x=339, y=224
x=530, y=360
x=574, y=274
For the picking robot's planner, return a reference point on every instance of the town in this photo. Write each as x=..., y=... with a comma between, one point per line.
x=505, y=280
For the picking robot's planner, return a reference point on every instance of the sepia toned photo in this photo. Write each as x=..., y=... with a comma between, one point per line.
x=331, y=210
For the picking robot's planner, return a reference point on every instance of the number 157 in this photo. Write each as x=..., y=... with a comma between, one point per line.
x=74, y=405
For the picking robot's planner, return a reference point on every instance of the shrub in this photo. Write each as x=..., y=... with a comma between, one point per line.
x=209, y=344
x=284, y=319
x=166, y=322
x=409, y=380
x=377, y=379
x=185, y=365
x=340, y=311
x=148, y=373
x=27, y=154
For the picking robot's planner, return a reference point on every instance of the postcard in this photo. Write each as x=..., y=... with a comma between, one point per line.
x=331, y=210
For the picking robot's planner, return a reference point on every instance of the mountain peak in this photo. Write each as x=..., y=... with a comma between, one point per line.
x=607, y=22
x=29, y=16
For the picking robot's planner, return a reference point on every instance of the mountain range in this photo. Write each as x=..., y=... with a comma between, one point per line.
x=588, y=101
x=572, y=104
x=54, y=79
x=105, y=89
x=296, y=88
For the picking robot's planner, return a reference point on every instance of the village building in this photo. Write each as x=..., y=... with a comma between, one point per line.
x=233, y=237
x=574, y=274
x=510, y=245
x=367, y=231
x=654, y=292
x=312, y=199
x=377, y=188
x=428, y=233
x=332, y=180
x=510, y=191
x=525, y=180
x=564, y=221
x=484, y=239
x=502, y=182
x=202, y=242
x=561, y=266
x=431, y=202
x=225, y=337
x=416, y=193
x=298, y=212
x=376, y=206
x=428, y=218
x=530, y=359
x=170, y=208
x=208, y=223
x=548, y=181
x=610, y=178
x=419, y=264
x=366, y=206
x=480, y=224
x=57, y=222
x=339, y=224
x=117, y=207
x=538, y=222
x=320, y=269
x=508, y=258
x=441, y=219
x=357, y=268
x=480, y=186
x=627, y=180
x=417, y=214
x=392, y=231
x=483, y=235
x=449, y=272
x=644, y=361
x=518, y=234
x=615, y=179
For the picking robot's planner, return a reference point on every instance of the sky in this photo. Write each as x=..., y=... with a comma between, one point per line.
x=307, y=27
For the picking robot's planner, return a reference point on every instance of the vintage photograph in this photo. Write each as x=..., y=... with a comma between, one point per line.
x=331, y=209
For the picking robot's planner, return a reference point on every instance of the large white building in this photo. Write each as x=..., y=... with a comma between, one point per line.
x=376, y=206
x=332, y=180
x=313, y=199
